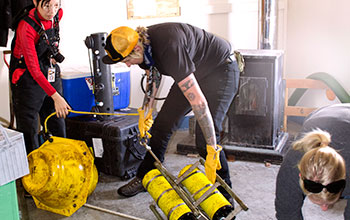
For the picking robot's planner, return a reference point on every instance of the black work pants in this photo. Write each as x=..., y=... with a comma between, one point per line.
x=30, y=103
x=219, y=88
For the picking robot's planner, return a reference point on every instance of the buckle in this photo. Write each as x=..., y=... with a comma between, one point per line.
x=231, y=59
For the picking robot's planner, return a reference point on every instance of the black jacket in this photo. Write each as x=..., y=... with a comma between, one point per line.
x=9, y=9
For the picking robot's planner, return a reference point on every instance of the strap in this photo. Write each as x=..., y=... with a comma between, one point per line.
x=35, y=25
x=56, y=20
x=148, y=60
x=40, y=28
x=133, y=145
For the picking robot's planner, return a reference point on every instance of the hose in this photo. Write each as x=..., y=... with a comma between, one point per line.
x=144, y=90
x=329, y=80
x=87, y=113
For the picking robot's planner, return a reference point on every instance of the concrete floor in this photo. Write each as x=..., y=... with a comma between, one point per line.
x=253, y=182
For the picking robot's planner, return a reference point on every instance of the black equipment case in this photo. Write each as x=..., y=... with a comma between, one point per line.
x=122, y=152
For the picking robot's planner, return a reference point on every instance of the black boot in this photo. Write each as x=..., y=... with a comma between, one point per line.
x=132, y=188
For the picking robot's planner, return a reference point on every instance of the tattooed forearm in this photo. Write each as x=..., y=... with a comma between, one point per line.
x=194, y=95
x=187, y=85
x=205, y=121
x=191, y=96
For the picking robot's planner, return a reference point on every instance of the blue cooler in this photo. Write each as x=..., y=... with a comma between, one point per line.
x=78, y=91
x=121, y=86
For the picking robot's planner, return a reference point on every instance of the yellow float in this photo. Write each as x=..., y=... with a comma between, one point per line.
x=62, y=175
x=166, y=197
x=215, y=205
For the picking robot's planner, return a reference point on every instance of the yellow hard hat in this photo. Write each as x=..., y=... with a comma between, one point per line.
x=62, y=175
x=119, y=44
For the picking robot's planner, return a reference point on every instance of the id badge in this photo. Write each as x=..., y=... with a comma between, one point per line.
x=51, y=74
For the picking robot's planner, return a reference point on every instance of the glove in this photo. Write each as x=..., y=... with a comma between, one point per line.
x=212, y=162
x=145, y=123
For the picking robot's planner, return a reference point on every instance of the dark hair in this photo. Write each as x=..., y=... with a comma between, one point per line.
x=44, y=2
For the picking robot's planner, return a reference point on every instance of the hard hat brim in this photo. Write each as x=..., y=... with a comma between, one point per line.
x=107, y=60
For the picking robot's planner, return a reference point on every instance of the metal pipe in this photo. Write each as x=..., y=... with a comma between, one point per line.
x=268, y=14
x=155, y=212
x=112, y=212
x=101, y=72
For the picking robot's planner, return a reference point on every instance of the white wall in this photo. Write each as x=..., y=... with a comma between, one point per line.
x=106, y=15
x=84, y=17
x=4, y=84
x=318, y=34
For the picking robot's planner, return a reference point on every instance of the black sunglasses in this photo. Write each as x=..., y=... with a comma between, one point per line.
x=314, y=187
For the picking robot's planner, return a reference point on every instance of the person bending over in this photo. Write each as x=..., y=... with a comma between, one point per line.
x=316, y=165
x=206, y=81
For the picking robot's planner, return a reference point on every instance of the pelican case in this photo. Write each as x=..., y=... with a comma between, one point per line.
x=114, y=140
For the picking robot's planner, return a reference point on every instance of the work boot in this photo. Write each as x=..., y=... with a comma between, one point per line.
x=132, y=188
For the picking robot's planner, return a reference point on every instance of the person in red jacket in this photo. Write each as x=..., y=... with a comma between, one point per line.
x=34, y=74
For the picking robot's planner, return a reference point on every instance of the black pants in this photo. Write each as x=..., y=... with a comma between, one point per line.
x=219, y=88
x=30, y=103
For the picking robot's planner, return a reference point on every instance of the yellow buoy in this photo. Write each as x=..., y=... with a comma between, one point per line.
x=166, y=197
x=216, y=205
x=62, y=175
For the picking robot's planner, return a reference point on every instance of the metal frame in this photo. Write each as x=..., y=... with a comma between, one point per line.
x=188, y=199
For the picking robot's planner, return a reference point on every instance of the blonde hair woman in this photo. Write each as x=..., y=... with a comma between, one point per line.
x=316, y=165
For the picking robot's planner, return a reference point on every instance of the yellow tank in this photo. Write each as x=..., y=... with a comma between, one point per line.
x=62, y=175
x=166, y=197
x=216, y=205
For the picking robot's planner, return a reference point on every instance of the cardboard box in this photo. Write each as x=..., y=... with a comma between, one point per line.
x=13, y=156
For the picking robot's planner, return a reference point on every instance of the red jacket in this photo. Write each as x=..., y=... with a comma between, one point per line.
x=26, y=40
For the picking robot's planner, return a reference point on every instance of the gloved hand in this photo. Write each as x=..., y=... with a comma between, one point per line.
x=212, y=162
x=145, y=123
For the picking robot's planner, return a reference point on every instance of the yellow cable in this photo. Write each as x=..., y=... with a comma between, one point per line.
x=87, y=113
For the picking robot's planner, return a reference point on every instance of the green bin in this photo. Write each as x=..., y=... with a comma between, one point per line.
x=8, y=202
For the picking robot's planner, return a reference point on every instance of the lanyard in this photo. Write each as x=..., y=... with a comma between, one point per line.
x=45, y=38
